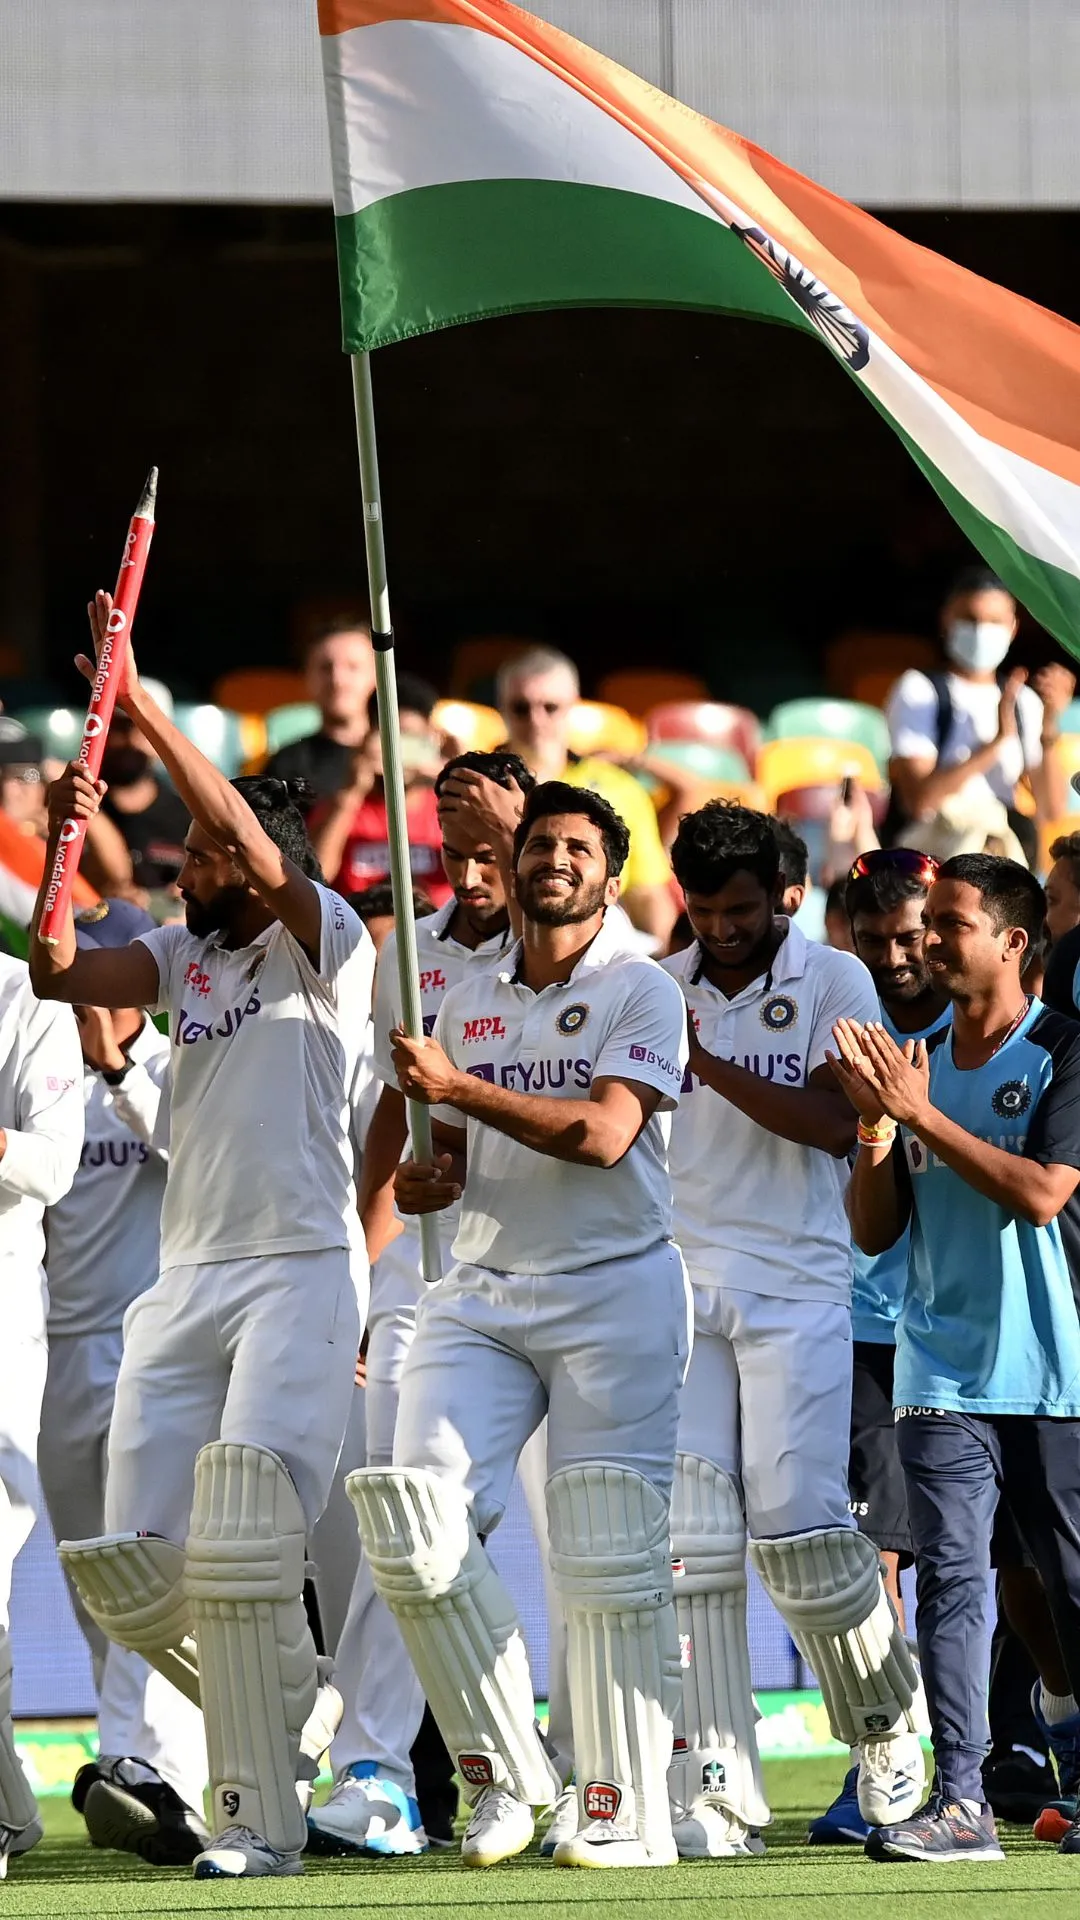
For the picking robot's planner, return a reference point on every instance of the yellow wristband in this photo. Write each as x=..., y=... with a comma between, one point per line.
x=881, y=1134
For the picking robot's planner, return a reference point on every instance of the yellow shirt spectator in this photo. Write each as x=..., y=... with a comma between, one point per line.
x=648, y=864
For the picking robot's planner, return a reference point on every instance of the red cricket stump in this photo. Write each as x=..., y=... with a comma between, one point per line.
x=102, y=702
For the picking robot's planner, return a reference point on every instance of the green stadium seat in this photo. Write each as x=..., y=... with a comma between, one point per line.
x=832, y=720
x=703, y=757
x=286, y=724
x=216, y=731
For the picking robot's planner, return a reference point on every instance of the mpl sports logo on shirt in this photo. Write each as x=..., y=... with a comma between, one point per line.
x=488, y=1027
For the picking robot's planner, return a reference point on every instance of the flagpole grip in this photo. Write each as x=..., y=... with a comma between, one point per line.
x=393, y=776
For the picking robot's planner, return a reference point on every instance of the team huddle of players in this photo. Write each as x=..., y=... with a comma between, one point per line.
x=647, y=1177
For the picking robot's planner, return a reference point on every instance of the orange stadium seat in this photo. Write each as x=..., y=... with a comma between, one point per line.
x=259, y=689
x=472, y=728
x=1054, y=830
x=597, y=728
x=476, y=662
x=872, y=688
x=783, y=765
x=858, y=652
x=639, y=688
x=711, y=720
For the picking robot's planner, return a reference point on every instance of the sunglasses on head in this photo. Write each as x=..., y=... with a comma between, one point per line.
x=921, y=866
x=521, y=709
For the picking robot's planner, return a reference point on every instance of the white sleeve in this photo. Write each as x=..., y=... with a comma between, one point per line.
x=163, y=943
x=42, y=1154
x=342, y=934
x=847, y=994
x=911, y=711
x=647, y=1041
x=387, y=1009
x=140, y=1097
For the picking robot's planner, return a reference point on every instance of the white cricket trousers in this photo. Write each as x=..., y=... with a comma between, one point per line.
x=23, y=1358
x=140, y=1713
x=601, y=1352
x=259, y=1352
x=768, y=1398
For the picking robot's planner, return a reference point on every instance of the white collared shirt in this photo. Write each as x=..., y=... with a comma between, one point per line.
x=41, y=1111
x=618, y=1016
x=102, y=1238
x=753, y=1211
x=264, y=1060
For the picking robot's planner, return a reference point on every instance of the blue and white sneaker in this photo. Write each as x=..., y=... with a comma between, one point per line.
x=841, y=1825
x=368, y=1815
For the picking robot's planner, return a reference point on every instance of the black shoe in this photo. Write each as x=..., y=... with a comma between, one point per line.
x=436, y=1789
x=127, y=1805
x=942, y=1830
x=1071, y=1841
x=1017, y=1786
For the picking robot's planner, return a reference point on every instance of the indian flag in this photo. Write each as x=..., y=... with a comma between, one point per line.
x=486, y=163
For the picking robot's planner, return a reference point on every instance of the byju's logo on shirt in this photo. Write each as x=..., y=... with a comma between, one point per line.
x=536, y=1076
x=1011, y=1099
x=648, y=1058
x=189, y=1030
x=779, y=1013
x=488, y=1028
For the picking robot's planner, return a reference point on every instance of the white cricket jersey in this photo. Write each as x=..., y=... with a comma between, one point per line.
x=41, y=1110
x=443, y=962
x=752, y=1211
x=618, y=1016
x=264, y=1058
x=102, y=1238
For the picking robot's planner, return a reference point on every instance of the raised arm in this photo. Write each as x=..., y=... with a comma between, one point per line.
x=107, y=976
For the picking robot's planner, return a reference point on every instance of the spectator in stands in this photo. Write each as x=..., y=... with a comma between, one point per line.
x=536, y=694
x=837, y=924
x=349, y=829
x=339, y=667
x=1063, y=886
x=151, y=819
x=375, y=907
x=22, y=786
x=963, y=740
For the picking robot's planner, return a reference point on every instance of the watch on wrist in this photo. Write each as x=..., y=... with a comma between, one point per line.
x=114, y=1077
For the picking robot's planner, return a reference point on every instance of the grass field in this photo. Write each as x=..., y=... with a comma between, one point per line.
x=64, y=1877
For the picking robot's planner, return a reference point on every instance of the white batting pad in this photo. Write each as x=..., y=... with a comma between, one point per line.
x=17, y=1804
x=459, y=1625
x=828, y=1587
x=611, y=1563
x=244, y=1578
x=708, y=1551
x=132, y=1585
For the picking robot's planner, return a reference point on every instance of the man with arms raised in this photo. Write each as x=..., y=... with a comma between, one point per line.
x=237, y=1374
x=552, y=1074
x=758, y=1152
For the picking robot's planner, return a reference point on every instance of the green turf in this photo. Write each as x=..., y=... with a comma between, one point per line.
x=64, y=1878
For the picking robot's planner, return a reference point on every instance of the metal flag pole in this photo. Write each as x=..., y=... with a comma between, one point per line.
x=382, y=636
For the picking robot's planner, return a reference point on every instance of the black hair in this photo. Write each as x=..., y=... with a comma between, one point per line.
x=280, y=807
x=502, y=766
x=1011, y=895
x=413, y=696
x=834, y=899
x=881, y=891
x=722, y=839
x=377, y=902
x=794, y=854
x=558, y=796
x=977, y=579
x=328, y=629
x=1067, y=847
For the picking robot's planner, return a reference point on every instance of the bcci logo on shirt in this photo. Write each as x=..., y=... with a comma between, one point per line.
x=779, y=1013
x=572, y=1019
x=1011, y=1099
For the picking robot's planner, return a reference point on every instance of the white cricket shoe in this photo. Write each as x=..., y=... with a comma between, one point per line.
x=563, y=1824
x=891, y=1778
x=367, y=1815
x=604, y=1843
x=239, y=1853
x=708, y=1832
x=501, y=1826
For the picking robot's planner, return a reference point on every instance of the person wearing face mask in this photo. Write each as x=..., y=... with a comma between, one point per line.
x=151, y=818
x=963, y=740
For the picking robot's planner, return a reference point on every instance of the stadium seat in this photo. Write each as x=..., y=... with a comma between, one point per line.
x=703, y=758
x=837, y=719
x=597, y=728
x=816, y=803
x=639, y=688
x=1069, y=756
x=259, y=689
x=872, y=688
x=783, y=765
x=216, y=731
x=60, y=728
x=286, y=724
x=711, y=720
x=1054, y=830
x=472, y=728
x=1070, y=719
x=476, y=662
x=854, y=653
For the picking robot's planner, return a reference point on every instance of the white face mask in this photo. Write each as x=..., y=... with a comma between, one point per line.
x=980, y=645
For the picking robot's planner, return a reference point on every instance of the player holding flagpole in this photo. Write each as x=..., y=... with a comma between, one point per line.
x=567, y=1297
x=237, y=1375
